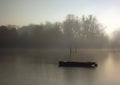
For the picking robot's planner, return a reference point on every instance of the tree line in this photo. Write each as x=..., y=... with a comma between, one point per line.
x=73, y=32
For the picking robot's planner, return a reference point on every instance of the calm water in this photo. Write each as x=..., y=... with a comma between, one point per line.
x=40, y=67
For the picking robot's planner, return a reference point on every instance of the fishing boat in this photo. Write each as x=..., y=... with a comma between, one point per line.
x=77, y=64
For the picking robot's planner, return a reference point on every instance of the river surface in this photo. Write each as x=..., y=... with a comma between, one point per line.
x=40, y=67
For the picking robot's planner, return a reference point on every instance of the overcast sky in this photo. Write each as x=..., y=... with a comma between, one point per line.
x=24, y=12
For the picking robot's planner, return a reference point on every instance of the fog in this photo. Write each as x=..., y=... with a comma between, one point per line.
x=29, y=55
x=80, y=31
x=73, y=32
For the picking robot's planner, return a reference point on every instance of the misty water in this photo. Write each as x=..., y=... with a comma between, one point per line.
x=40, y=67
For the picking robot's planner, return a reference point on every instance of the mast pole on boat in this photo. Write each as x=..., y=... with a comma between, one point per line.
x=70, y=51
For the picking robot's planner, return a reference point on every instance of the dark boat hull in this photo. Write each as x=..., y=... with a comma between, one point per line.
x=77, y=64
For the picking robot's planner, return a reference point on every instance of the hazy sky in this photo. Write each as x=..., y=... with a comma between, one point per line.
x=23, y=12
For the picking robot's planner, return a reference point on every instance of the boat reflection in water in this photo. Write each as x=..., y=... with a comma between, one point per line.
x=77, y=64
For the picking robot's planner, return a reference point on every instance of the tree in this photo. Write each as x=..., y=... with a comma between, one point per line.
x=115, y=42
x=8, y=36
x=71, y=29
x=73, y=32
x=92, y=33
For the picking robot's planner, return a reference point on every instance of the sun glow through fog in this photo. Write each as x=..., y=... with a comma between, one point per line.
x=110, y=19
